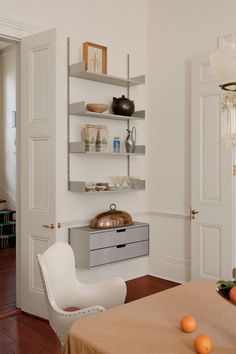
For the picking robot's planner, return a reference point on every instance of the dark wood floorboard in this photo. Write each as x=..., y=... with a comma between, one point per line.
x=7, y=280
x=147, y=285
x=25, y=334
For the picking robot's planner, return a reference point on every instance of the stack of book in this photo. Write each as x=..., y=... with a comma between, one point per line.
x=7, y=228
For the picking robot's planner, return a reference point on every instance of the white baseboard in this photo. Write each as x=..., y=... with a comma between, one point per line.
x=170, y=268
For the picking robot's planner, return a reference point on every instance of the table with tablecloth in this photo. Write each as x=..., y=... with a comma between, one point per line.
x=151, y=325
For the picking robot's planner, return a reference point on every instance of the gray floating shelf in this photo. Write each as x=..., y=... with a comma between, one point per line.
x=79, y=109
x=77, y=70
x=79, y=147
x=79, y=186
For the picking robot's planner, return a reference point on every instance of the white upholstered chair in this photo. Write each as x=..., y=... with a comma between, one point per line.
x=63, y=290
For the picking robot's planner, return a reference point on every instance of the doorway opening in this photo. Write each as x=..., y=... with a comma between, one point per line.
x=8, y=174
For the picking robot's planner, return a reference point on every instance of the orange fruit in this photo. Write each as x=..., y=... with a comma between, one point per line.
x=232, y=294
x=203, y=344
x=188, y=324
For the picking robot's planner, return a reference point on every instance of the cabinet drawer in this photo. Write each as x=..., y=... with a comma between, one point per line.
x=118, y=237
x=118, y=253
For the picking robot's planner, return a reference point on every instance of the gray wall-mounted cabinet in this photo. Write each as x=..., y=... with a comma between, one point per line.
x=95, y=247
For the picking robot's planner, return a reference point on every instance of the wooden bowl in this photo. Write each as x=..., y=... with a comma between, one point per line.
x=97, y=107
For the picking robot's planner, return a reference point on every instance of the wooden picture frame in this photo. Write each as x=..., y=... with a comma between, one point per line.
x=95, y=58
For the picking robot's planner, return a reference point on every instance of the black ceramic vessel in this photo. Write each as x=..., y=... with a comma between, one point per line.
x=122, y=106
x=224, y=292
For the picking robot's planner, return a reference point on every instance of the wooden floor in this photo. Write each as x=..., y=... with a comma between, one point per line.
x=24, y=334
x=144, y=286
x=7, y=279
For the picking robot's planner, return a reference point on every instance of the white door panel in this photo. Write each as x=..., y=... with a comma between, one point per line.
x=210, y=239
x=38, y=85
x=211, y=189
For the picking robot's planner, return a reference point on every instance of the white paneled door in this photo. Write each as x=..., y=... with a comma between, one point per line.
x=38, y=85
x=211, y=180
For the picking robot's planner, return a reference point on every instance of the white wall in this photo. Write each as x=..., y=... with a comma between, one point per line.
x=122, y=27
x=8, y=132
x=177, y=30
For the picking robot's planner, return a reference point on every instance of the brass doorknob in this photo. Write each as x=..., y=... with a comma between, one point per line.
x=193, y=213
x=51, y=226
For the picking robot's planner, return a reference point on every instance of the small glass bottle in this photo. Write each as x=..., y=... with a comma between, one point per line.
x=116, y=144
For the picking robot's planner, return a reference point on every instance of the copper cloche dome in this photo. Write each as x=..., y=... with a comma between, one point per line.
x=111, y=218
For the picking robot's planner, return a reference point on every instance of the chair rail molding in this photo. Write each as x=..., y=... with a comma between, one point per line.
x=86, y=220
x=75, y=222
x=169, y=214
x=15, y=28
x=142, y=215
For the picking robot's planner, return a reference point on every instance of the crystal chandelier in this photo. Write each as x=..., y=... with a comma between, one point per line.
x=228, y=119
x=223, y=64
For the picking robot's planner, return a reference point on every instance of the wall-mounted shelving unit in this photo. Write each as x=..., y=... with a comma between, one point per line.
x=79, y=109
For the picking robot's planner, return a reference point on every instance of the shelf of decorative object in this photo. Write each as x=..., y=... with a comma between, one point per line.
x=79, y=147
x=79, y=109
x=77, y=70
x=81, y=187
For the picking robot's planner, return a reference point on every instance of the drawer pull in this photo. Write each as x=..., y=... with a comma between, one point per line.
x=121, y=230
x=120, y=246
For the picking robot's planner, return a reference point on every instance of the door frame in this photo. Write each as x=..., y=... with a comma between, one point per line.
x=13, y=30
x=228, y=159
x=225, y=40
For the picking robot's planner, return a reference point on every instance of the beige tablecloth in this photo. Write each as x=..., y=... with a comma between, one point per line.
x=151, y=325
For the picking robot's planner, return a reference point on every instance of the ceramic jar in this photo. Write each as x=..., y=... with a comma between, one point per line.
x=122, y=106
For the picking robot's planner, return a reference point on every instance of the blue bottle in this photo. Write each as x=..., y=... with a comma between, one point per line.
x=116, y=144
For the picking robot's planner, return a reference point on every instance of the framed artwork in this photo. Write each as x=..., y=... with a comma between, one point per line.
x=95, y=57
